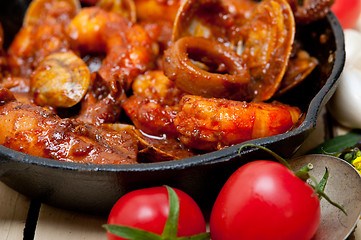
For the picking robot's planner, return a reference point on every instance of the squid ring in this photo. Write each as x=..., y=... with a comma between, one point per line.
x=207, y=68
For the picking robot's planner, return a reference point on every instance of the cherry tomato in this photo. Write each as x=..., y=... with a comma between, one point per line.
x=347, y=12
x=148, y=209
x=265, y=200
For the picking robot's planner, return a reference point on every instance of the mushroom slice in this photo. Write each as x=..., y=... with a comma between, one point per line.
x=125, y=8
x=268, y=46
x=37, y=8
x=206, y=18
x=60, y=80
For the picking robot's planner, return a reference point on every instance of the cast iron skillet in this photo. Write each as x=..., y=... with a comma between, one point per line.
x=95, y=188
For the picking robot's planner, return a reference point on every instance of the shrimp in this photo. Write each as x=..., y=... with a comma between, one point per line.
x=129, y=50
x=43, y=33
x=33, y=130
x=152, y=109
x=156, y=86
x=212, y=124
x=151, y=117
x=154, y=104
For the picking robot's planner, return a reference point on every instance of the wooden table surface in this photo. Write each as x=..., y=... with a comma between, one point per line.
x=22, y=218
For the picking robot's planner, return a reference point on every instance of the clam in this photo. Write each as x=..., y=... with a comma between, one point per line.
x=60, y=80
x=268, y=46
x=298, y=69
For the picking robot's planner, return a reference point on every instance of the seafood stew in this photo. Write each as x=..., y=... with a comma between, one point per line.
x=106, y=83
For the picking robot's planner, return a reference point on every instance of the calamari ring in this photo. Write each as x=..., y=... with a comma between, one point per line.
x=226, y=75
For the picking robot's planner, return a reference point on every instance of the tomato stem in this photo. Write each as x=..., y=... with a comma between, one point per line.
x=275, y=155
x=303, y=172
x=171, y=225
x=319, y=188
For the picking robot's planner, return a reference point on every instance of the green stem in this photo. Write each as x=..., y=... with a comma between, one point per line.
x=278, y=157
x=131, y=232
x=303, y=172
x=171, y=225
x=319, y=190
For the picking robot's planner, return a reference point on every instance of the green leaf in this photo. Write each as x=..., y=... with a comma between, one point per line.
x=338, y=143
x=131, y=233
x=171, y=225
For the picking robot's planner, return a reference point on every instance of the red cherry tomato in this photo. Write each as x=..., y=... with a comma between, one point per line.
x=148, y=209
x=265, y=200
x=347, y=12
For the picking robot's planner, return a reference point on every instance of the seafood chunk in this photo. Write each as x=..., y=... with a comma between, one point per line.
x=125, y=8
x=299, y=67
x=154, y=148
x=35, y=131
x=155, y=10
x=35, y=12
x=129, y=49
x=43, y=33
x=156, y=86
x=60, y=80
x=205, y=67
x=150, y=116
x=154, y=104
x=246, y=64
x=206, y=18
x=310, y=10
x=268, y=46
x=101, y=104
x=211, y=124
